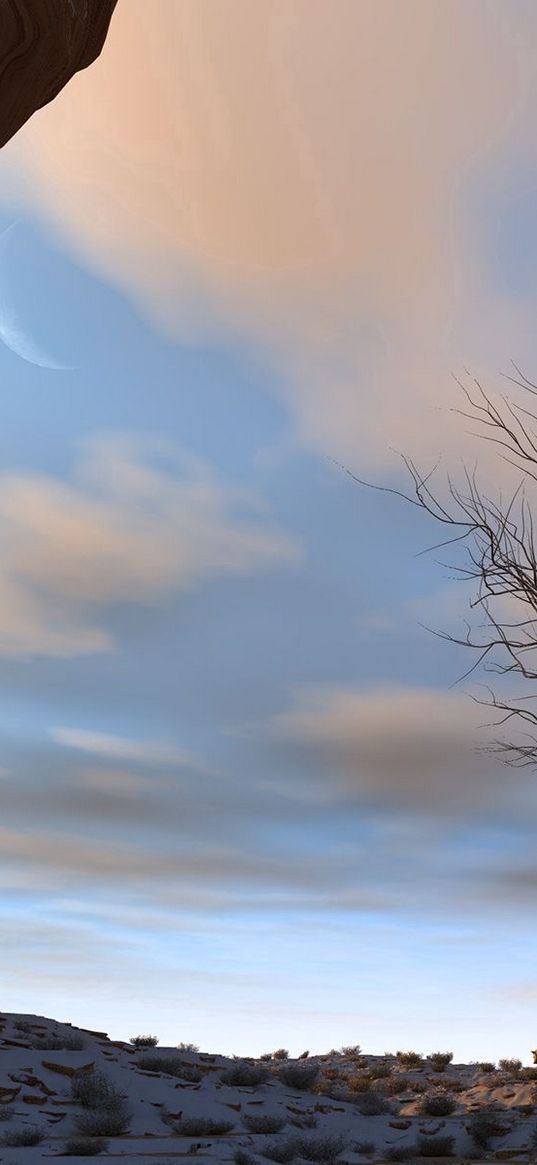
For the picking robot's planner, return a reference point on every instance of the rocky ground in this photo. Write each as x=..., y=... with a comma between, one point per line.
x=76, y=1093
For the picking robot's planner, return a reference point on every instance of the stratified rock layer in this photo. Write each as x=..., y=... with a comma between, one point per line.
x=43, y=43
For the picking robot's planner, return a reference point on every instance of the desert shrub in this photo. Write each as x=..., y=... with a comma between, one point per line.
x=394, y=1085
x=280, y=1151
x=350, y=1050
x=6, y=1112
x=303, y=1055
x=437, y=1105
x=440, y=1060
x=527, y=1074
x=409, y=1059
x=171, y=1066
x=22, y=1025
x=265, y=1057
x=202, y=1126
x=300, y=1076
x=244, y=1075
x=511, y=1066
x=56, y=1043
x=82, y=1147
x=434, y=1146
x=182, y=1047
x=22, y=1137
x=280, y=1054
x=112, y=1121
x=485, y=1066
x=263, y=1122
x=364, y=1147
x=373, y=1104
x=380, y=1071
x=335, y=1073
x=359, y=1084
x=93, y=1090
x=448, y=1083
x=323, y=1149
x=144, y=1041
x=399, y=1152
x=482, y=1127
x=243, y=1158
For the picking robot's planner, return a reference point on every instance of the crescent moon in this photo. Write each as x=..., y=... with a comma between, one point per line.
x=12, y=332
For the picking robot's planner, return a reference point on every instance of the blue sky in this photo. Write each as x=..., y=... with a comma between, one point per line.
x=241, y=802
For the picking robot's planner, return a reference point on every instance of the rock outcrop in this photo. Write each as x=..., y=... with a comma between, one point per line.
x=43, y=43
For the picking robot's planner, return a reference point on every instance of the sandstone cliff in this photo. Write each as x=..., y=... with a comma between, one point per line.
x=42, y=44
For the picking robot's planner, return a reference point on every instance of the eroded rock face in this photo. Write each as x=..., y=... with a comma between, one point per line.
x=43, y=43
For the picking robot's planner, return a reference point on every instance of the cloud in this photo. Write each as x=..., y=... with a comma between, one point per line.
x=309, y=178
x=104, y=744
x=413, y=749
x=124, y=531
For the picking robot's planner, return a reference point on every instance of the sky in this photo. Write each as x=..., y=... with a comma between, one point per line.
x=242, y=797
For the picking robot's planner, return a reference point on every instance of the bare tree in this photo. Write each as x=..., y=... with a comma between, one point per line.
x=502, y=555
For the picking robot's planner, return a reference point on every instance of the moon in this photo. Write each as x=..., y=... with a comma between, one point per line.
x=12, y=332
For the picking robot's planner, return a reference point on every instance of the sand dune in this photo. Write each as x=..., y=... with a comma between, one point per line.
x=336, y=1117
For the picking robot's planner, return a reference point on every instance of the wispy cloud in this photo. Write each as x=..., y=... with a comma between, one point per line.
x=124, y=531
x=414, y=749
x=122, y=748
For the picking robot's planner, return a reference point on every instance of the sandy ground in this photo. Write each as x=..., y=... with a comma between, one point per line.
x=35, y=1091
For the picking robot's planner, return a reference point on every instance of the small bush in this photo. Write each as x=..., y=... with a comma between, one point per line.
x=399, y=1152
x=437, y=1105
x=350, y=1050
x=380, y=1071
x=373, y=1104
x=409, y=1059
x=527, y=1074
x=243, y=1075
x=112, y=1121
x=511, y=1066
x=303, y=1055
x=93, y=1090
x=22, y=1137
x=280, y=1054
x=449, y=1084
x=57, y=1043
x=243, y=1158
x=322, y=1149
x=485, y=1066
x=22, y=1025
x=170, y=1066
x=182, y=1047
x=80, y=1147
x=435, y=1146
x=440, y=1060
x=394, y=1085
x=301, y=1077
x=201, y=1126
x=266, y=1057
x=263, y=1122
x=144, y=1041
x=280, y=1151
x=359, y=1084
x=334, y=1074
x=482, y=1127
